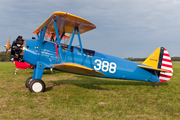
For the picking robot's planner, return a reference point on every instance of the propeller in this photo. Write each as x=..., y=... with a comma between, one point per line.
x=8, y=46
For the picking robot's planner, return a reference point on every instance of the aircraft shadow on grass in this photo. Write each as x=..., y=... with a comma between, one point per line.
x=95, y=83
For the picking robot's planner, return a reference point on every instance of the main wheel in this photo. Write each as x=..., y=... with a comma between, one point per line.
x=28, y=82
x=37, y=85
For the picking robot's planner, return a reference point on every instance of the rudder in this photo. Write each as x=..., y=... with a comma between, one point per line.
x=166, y=65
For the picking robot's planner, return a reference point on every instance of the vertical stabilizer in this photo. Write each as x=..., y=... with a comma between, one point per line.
x=160, y=59
x=153, y=60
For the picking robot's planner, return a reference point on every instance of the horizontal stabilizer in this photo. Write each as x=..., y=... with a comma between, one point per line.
x=76, y=68
x=153, y=68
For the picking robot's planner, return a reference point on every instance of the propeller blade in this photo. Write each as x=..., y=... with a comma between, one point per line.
x=8, y=46
x=6, y=52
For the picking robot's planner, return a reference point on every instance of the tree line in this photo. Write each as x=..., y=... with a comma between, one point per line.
x=4, y=57
x=7, y=58
x=143, y=59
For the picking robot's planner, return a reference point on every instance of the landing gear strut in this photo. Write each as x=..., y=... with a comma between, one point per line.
x=15, y=72
x=155, y=84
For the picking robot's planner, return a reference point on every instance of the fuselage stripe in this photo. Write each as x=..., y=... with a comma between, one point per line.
x=164, y=78
x=166, y=68
x=169, y=74
x=166, y=60
x=165, y=51
x=165, y=57
x=162, y=75
x=166, y=65
x=160, y=57
x=166, y=54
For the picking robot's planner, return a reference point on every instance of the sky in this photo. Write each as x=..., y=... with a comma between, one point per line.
x=124, y=28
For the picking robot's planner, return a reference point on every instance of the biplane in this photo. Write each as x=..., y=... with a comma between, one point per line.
x=54, y=54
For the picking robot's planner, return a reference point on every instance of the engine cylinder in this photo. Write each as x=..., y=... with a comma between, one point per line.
x=17, y=48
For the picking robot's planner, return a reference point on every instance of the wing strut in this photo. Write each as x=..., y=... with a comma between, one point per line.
x=82, y=52
x=64, y=60
x=75, y=28
x=70, y=44
x=58, y=39
x=41, y=38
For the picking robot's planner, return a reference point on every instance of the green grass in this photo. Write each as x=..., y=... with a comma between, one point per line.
x=70, y=96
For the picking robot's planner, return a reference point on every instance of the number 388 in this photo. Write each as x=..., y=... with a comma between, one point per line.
x=105, y=66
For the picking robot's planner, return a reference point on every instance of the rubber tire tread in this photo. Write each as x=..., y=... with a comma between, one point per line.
x=34, y=81
x=27, y=82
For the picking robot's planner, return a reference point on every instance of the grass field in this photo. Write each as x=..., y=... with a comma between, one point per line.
x=70, y=96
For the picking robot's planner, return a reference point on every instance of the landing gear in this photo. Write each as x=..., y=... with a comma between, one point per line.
x=28, y=82
x=15, y=72
x=37, y=85
x=34, y=83
x=155, y=84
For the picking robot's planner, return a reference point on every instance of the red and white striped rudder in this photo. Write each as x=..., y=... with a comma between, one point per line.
x=166, y=65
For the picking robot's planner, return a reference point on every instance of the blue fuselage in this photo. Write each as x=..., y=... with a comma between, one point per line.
x=112, y=67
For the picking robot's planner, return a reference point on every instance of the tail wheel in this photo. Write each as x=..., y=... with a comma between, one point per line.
x=28, y=82
x=37, y=85
x=155, y=84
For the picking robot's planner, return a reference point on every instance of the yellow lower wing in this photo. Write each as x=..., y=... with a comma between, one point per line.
x=153, y=68
x=76, y=68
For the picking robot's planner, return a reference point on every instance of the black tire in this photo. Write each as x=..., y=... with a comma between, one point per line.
x=37, y=85
x=28, y=82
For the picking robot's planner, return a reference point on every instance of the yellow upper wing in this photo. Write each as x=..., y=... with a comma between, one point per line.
x=66, y=23
x=76, y=68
